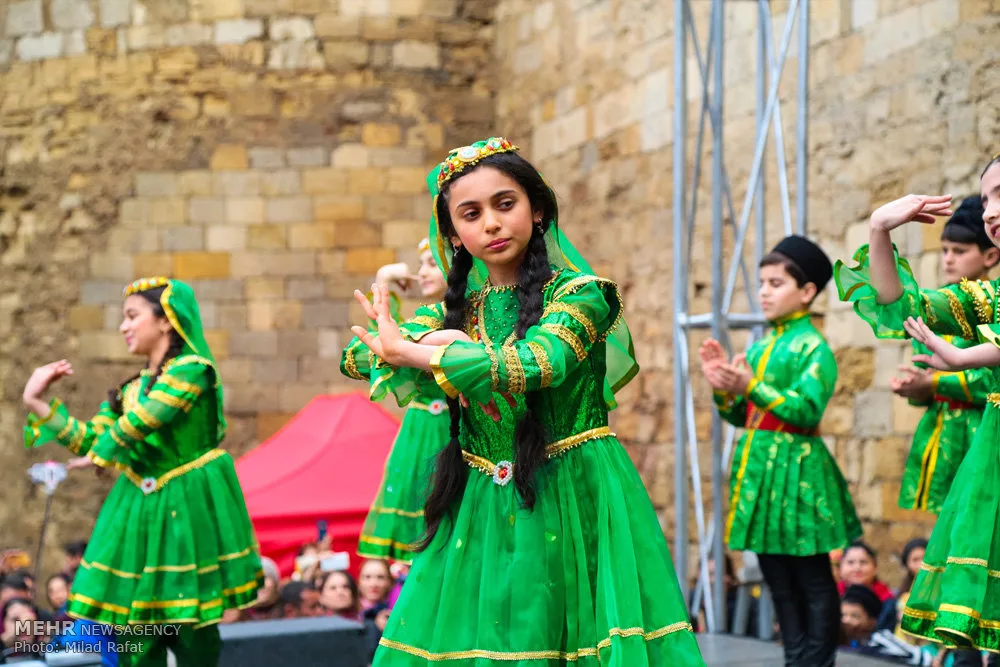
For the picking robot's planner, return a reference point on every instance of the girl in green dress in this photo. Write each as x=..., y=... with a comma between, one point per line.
x=789, y=501
x=955, y=599
x=542, y=546
x=395, y=521
x=173, y=543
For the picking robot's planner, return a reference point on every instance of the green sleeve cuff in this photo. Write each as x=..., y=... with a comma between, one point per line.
x=40, y=431
x=464, y=368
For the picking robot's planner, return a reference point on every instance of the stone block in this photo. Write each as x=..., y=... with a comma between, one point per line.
x=288, y=209
x=71, y=14
x=351, y=156
x=153, y=264
x=403, y=234
x=156, y=184
x=206, y=210
x=297, y=28
x=196, y=183
x=112, y=266
x=873, y=413
x=233, y=317
x=298, y=343
x=104, y=346
x=24, y=18
x=100, y=292
x=345, y=54
x=244, y=210
x=281, y=182
x=191, y=265
x=87, y=318
x=324, y=314
x=183, y=238
x=274, y=315
x=407, y=180
x=365, y=7
x=380, y=135
x=358, y=234
x=330, y=346
x=367, y=261
x=324, y=180
x=167, y=211
x=337, y=26
x=366, y=181
x=260, y=288
x=409, y=54
x=335, y=208
x=313, y=156
x=218, y=290
x=263, y=157
x=250, y=398
x=306, y=288
x=295, y=55
x=74, y=43
x=134, y=212
x=238, y=31
x=224, y=239
x=39, y=47
x=905, y=416
x=187, y=34
x=304, y=236
x=230, y=157
x=237, y=183
x=256, y=344
x=939, y=16
x=387, y=207
x=396, y=157
x=275, y=370
x=144, y=37
x=293, y=397
x=219, y=9
x=267, y=237
x=115, y=12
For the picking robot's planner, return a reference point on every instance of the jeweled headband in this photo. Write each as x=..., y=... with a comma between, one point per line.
x=144, y=284
x=460, y=159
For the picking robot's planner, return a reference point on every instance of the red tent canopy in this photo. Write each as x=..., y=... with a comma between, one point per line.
x=326, y=463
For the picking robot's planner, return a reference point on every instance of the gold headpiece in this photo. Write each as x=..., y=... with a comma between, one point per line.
x=144, y=284
x=460, y=159
x=424, y=245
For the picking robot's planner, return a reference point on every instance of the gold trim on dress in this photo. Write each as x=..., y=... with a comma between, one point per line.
x=576, y=314
x=170, y=400
x=180, y=385
x=439, y=375
x=959, y=314
x=552, y=450
x=980, y=302
x=516, y=381
x=163, y=479
x=383, y=542
x=351, y=365
x=567, y=336
x=544, y=365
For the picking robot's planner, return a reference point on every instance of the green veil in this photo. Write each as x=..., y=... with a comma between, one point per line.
x=621, y=362
x=181, y=309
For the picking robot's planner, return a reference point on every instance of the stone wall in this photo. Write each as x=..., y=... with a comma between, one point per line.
x=902, y=99
x=271, y=152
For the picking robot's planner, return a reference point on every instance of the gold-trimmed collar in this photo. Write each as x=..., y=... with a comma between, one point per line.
x=791, y=317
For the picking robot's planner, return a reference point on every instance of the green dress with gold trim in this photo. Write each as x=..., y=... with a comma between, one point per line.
x=173, y=542
x=396, y=519
x=787, y=493
x=585, y=577
x=944, y=434
x=955, y=598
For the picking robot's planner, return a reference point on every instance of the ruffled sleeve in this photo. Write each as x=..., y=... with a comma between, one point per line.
x=953, y=310
x=355, y=361
x=404, y=383
x=75, y=435
x=578, y=316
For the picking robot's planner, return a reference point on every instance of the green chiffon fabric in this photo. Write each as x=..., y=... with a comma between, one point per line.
x=585, y=577
x=173, y=542
x=955, y=599
x=944, y=434
x=787, y=493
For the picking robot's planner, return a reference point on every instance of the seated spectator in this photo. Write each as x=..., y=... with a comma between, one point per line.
x=912, y=558
x=14, y=585
x=268, y=595
x=374, y=583
x=300, y=600
x=57, y=592
x=859, y=565
x=18, y=642
x=74, y=556
x=859, y=610
x=338, y=593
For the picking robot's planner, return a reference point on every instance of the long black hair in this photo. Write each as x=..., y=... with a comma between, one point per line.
x=530, y=438
x=176, y=347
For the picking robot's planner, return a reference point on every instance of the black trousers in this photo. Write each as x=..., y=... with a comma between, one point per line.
x=807, y=606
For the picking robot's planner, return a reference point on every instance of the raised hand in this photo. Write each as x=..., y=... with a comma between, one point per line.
x=39, y=382
x=712, y=355
x=734, y=377
x=919, y=208
x=945, y=357
x=389, y=339
x=915, y=384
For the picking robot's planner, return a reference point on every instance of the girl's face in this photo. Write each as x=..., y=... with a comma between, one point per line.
x=990, y=193
x=375, y=581
x=337, y=594
x=58, y=593
x=492, y=217
x=857, y=567
x=143, y=330
x=915, y=559
x=432, y=282
x=15, y=613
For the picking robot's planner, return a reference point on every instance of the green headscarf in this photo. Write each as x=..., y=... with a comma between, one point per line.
x=621, y=363
x=181, y=309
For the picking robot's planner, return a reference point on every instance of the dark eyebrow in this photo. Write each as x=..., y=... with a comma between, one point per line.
x=496, y=195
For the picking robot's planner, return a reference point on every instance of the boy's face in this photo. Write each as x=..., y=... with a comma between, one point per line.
x=965, y=260
x=780, y=295
x=855, y=621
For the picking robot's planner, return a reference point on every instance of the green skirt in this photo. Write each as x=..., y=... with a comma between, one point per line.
x=584, y=578
x=788, y=497
x=396, y=518
x=955, y=599
x=183, y=554
x=940, y=443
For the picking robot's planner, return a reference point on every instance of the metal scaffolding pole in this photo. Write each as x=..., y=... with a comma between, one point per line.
x=729, y=230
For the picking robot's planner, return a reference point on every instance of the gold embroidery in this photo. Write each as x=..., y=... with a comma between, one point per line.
x=143, y=415
x=399, y=512
x=186, y=360
x=959, y=313
x=162, y=480
x=170, y=400
x=567, y=336
x=552, y=450
x=544, y=365
x=128, y=429
x=575, y=313
x=382, y=542
x=351, y=364
x=516, y=382
x=548, y=654
x=104, y=568
x=439, y=375
x=427, y=321
x=929, y=311
x=180, y=385
x=981, y=562
x=980, y=302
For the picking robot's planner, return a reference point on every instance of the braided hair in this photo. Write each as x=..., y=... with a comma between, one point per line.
x=174, y=350
x=530, y=438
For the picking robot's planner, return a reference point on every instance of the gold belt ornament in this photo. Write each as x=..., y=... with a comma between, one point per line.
x=503, y=471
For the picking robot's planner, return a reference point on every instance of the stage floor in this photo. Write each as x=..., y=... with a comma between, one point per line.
x=727, y=651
